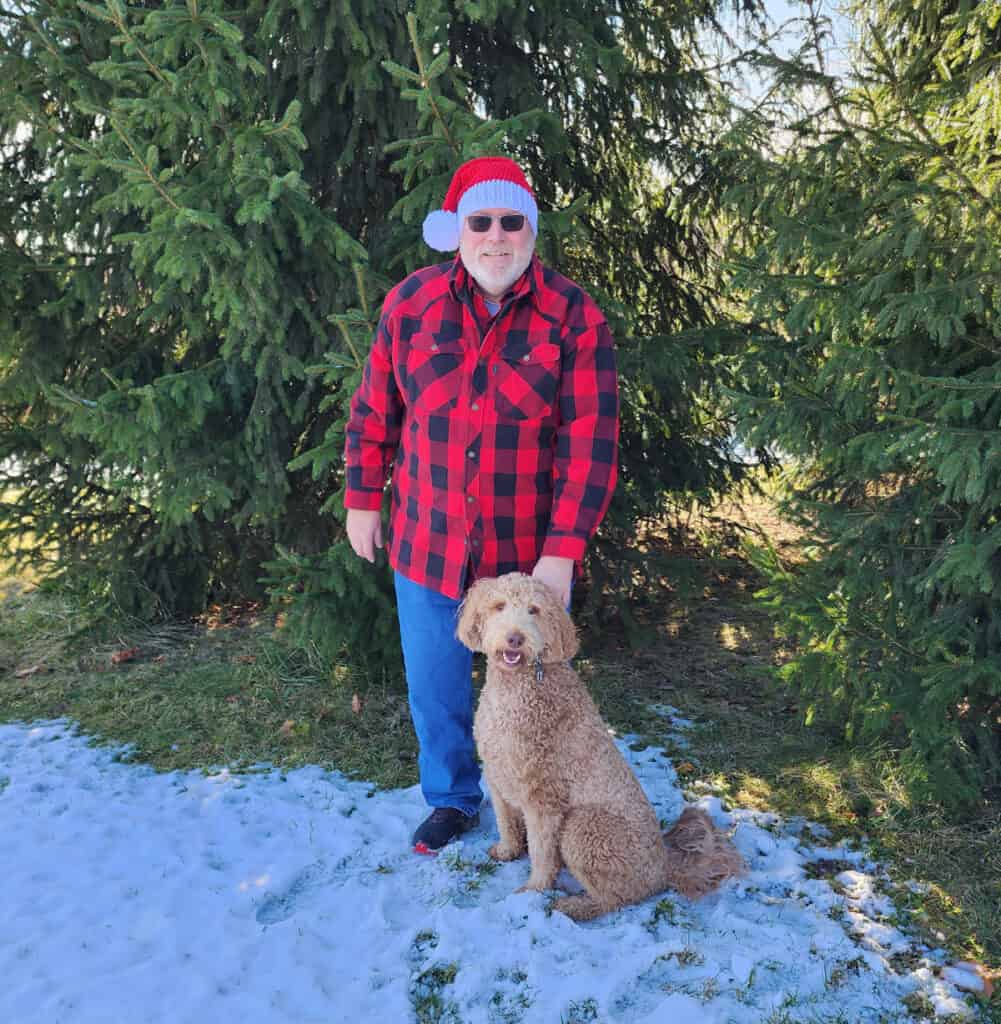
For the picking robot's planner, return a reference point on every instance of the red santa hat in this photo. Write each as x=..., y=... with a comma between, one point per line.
x=485, y=183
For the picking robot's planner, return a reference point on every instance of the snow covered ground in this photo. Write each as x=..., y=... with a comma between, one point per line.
x=131, y=897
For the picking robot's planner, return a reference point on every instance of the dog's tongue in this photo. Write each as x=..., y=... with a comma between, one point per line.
x=511, y=657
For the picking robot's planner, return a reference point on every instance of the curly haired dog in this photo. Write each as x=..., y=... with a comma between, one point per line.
x=557, y=781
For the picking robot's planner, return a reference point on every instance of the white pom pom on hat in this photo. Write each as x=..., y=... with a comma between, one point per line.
x=484, y=183
x=441, y=230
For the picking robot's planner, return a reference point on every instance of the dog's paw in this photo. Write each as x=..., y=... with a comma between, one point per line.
x=537, y=885
x=581, y=907
x=503, y=852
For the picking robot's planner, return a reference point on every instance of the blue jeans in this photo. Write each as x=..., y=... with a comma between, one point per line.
x=440, y=689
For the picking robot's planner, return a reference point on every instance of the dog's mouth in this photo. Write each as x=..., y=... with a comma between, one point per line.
x=512, y=657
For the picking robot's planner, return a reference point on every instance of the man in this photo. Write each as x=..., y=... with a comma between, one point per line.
x=490, y=398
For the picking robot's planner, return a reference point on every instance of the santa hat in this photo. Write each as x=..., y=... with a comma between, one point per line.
x=486, y=183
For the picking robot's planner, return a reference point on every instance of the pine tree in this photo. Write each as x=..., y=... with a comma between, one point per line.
x=196, y=195
x=875, y=367
x=166, y=272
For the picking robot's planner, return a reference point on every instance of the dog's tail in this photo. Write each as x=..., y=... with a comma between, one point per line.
x=699, y=856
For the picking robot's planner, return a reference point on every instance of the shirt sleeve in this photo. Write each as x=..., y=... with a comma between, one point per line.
x=587, y=441
x=373, y=428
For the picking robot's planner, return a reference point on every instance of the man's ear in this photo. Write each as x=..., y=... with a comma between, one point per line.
x=469, y=630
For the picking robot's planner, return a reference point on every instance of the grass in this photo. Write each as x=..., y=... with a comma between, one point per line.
x=664, y=910
x=429, y=995
x=226, y=690
x=201, y=694
x=581, y=1011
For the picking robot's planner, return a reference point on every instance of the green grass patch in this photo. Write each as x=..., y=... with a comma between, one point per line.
x=429, y=995
x=665, y=910
x=197, y=696
x=580, y=1011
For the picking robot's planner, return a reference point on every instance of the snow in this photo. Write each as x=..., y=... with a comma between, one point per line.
x=269, y=897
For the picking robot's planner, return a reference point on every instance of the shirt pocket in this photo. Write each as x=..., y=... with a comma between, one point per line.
x=432, y=376
x=527, y=378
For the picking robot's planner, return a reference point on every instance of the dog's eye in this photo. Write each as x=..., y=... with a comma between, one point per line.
x=499, y=606
x=533, y=609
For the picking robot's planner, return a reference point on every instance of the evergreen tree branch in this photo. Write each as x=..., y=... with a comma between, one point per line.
x=147, y=170
x=46, y=42
x=426, y=84
x=118, y=17
x=907, y=107
x=345, y=331
x=360, y=285
x=827, y=82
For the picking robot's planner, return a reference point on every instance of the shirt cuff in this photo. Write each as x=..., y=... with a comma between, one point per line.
x=564, y=547
x=368, y=500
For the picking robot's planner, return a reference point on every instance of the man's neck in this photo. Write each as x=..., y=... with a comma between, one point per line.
x=489, y=297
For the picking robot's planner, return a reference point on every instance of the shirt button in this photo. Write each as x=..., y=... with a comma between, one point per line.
x=434, y=348
x=469, y=498
x=471, y=453
x=524, y=358
x=476, y=406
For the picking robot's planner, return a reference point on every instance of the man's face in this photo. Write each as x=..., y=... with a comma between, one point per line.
x=496, y=258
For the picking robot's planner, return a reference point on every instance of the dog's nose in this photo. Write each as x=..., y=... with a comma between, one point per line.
x=515, y=639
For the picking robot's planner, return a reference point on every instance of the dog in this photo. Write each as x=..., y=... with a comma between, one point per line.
x=559, y=786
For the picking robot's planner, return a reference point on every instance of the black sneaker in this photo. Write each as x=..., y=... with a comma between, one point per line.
x=442, y=826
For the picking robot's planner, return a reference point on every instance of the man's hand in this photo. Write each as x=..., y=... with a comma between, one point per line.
x=365, y=531
x=557, y=573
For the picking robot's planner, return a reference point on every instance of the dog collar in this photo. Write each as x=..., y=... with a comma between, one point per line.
x=539, y=673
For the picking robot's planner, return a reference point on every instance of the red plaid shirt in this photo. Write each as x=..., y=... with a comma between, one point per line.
x=501, y=433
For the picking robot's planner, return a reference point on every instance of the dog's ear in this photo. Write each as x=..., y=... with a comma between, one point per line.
x=561, y=633
x=469, y=630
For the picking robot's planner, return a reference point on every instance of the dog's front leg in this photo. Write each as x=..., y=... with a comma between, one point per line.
x=510, y=824
x=543, y=826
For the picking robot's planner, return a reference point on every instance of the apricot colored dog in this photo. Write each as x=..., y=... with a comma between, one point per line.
x=559, y=786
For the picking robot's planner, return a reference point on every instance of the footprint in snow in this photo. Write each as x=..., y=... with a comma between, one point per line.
x=278, y=907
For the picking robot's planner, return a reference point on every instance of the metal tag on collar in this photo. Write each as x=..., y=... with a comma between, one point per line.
x=538, y=668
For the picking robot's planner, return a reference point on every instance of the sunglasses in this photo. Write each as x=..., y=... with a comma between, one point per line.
x=480, y=222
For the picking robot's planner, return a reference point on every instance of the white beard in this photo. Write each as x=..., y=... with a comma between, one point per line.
x=499, y=283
